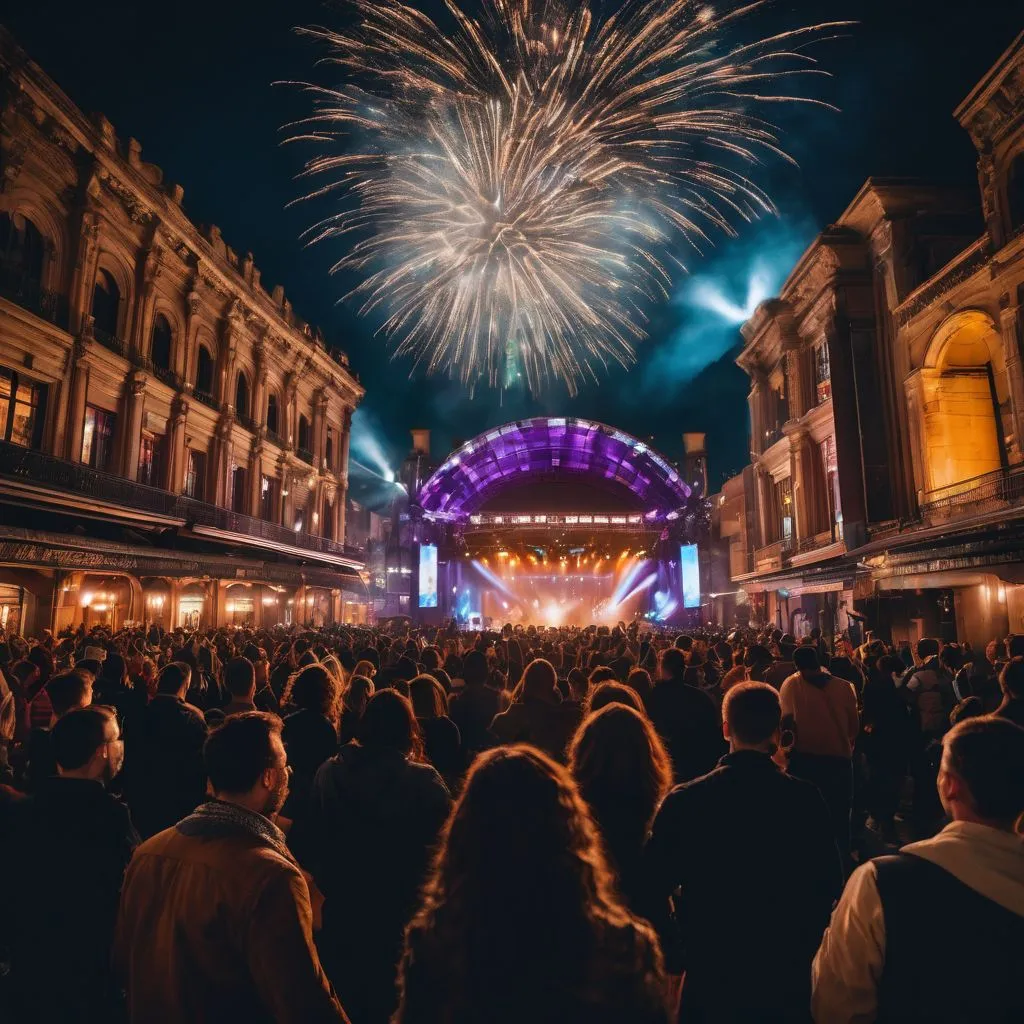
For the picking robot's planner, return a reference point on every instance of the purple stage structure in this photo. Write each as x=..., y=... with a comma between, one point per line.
x=550, y=447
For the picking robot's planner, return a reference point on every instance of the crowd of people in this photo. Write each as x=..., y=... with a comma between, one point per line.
x=546, y=824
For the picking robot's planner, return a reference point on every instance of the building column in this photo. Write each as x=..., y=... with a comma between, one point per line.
x=142, y=315
x=76, y=403
x=255, y=475
x=83, y=273
x=287, y=511
x=803, y=506
x=177, y=460
x=763, y=503
x=319, y=416
x=290, y=412
x=225, y=386
x=131, y=435
x=914, y=385
x=259, y=387
x=1009, y=318
x=756, y=429
x=338, y=516
x=220, y=464
x=181, y=357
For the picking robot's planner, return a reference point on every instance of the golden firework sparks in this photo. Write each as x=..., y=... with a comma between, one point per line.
x=513, y=184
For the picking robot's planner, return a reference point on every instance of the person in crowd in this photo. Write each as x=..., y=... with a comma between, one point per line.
x=475, y=706
x=780, y=669
x=756, y=661
x=820, y=710
x=685, y=718
x=747, y=941
x=265, y=699
x=164, y=778
x=230, y=934
x=537, y=715
x=359, y=690
x=885, y=732
x=929, y=690
x=546, y=940
x=375, y=813
x=623, y=773
x=441, y=741
x=877, y=959
x=1011, y=682
x=66, y=691
x=240, y=681
x=114, y=689
x=615, y=693
x=310, y=732
x=639, y=679
x=64, y=856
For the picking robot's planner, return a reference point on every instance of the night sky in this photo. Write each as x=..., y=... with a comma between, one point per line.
x=193, y=83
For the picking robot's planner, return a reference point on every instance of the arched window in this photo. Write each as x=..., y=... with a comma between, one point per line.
x=304, y=432
x=160, y=345
x=1015, y=193
x=106, y=303
x=272, y=415
x=21, y=251
x=329, y=449
x=242, y=395
x=204, y=371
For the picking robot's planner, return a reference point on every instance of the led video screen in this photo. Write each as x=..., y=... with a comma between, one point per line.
x=690, y=575
x=428, y=576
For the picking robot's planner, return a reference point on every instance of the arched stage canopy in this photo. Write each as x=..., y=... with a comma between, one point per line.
x=543, y=447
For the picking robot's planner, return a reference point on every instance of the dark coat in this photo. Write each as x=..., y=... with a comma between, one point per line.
x=310, y=739
x=547, y=726
x=689, y=723
x=374, y=818
x=472, y=709
x=753, y=851
x=63, y=859
x=443, y=746
x=164, y=778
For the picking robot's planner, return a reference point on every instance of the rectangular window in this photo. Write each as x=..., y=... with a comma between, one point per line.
x=822, y=372
x=195, y=475
x=784, y=507
x=151, y=460
x=21, y=407
x=98, y=438
x=268, y=499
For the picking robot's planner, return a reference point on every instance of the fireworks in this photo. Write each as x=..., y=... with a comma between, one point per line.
x=514, y=185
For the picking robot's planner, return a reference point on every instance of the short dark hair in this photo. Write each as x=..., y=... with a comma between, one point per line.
x=65, y=690
x=239, y=677
x=752, y=711
x=1011, y=678
x=684, y=642
x=174, y=677
x=78, y=735
x=673, y=661
x=806, y=659
x=238, y=752
x=987, y=753
x=927, y=647
x=602, y=674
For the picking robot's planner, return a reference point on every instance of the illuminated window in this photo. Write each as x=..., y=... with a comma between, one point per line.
x=98, y=438
x=822, y=372
x=268, y=498
x=151, y=460
x=195, y=474
x=21, y=403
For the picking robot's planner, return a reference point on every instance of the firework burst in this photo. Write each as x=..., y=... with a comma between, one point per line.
x=513, y=185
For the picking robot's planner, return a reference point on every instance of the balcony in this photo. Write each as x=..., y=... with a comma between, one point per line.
x=246, y=421
x=772, y=556
x=63, y=477
x=169, y=377
x=991, y=492
x=305, y=454
x=275, y=438
x=32, y=296
x=111, y=342
x=207, y=399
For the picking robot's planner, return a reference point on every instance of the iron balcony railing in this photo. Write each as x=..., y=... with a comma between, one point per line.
x=60, y=475
x=305, y=454
x=777, y=549
x=110, y=342
x=979, y=494
x=22, y=290
x=246, y=421
x=206, y=398
x=275, y=437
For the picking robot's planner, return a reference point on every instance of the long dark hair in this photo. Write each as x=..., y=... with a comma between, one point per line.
x=623, y=772
x=506, y=903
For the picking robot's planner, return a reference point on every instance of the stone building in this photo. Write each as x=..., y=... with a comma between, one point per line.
x=173, y=437
x=887, y=404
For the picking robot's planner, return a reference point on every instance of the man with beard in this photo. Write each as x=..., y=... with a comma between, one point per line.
x=216, y=922
x=63, y=854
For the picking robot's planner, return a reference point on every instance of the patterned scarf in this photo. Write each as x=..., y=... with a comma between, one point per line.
x=218, y=819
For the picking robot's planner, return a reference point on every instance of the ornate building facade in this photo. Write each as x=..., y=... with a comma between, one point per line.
x=173, y=437
x=887, y=405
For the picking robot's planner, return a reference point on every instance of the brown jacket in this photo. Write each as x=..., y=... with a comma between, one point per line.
x=216, y=929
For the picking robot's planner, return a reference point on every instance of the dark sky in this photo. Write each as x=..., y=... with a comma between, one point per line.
x=194, y=85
